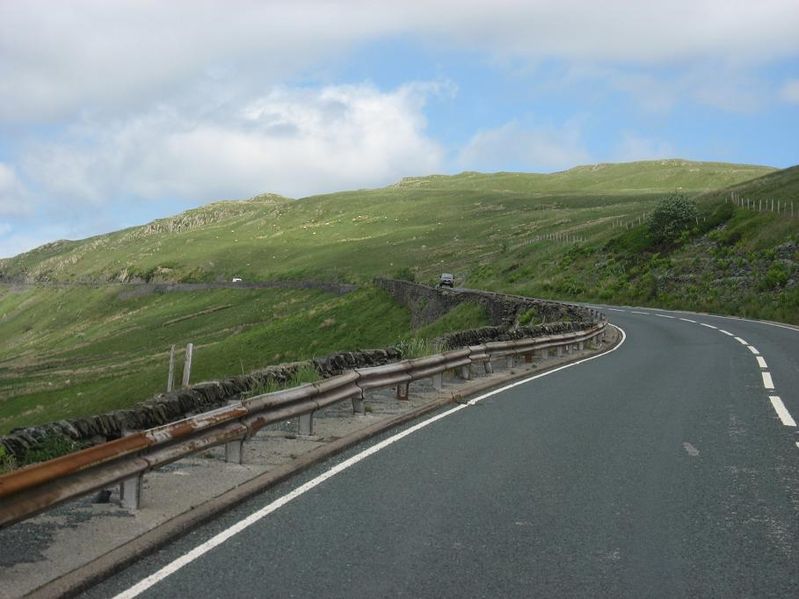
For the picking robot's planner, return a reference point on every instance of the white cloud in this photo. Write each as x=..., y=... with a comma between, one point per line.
x=525, y=148
x=293, y=141
x=790, y=92
x=59, y=58
x=15, y=199
x=636, y=147
x=16, y=240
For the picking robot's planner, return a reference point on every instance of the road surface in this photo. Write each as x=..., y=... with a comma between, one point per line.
x=667, y=468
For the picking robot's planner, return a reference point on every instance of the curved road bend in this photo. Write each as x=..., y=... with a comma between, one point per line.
x=662, y=469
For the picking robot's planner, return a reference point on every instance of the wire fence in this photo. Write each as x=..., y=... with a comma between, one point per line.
x=785, y=207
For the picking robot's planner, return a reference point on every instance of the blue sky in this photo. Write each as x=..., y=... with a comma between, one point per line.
x=117, y=112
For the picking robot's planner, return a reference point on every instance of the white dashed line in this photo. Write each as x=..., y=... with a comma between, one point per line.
x=726, y=333
x=741, y=341
x=688, y=320
x=710, y=326
x=784, y=416
x=768, y=383
x=615, y=310
x=753, y=349
x=761, y=361
x=665, y=316
x=637, y=312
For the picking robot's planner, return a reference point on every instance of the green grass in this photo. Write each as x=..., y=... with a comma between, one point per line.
x=83, y=348
x=81, y=351
x=420, y=225
x=468, y=315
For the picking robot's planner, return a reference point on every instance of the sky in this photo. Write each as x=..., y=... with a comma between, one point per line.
x=117, y=112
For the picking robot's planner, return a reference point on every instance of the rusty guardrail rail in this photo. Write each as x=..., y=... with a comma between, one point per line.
x=38, y=487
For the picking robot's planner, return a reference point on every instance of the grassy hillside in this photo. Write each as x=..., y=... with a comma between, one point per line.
x=83, y=344
x=734, y=261
x=420, y=223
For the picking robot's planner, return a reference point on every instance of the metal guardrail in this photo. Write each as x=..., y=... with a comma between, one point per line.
x=35, y=488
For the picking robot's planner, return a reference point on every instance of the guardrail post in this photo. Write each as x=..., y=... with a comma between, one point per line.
x=234, y=451
x=305, y=425
x=438, y=381
x=580, y=345
x=560, y=350
x=465, y=373
x=402, y=391
x=357, y=405
x=130, y=492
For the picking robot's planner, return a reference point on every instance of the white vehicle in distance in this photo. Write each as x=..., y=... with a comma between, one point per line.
x=236, y=280
x=446, y=280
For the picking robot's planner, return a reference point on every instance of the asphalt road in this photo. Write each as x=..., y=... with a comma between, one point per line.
x=662, y=469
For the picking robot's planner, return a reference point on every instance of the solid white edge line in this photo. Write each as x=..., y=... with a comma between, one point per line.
x=241, y=525
x=768, y=383
x=761, y=361
x=753, y=349
x=782, y=412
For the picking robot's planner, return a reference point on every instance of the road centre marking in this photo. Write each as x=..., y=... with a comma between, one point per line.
x=761, y=361
x=768, y=383
x=753, y=349
x=615, y=310
x=782, y=412
x=726, y=333
x=741, y=341
x=710, y=326
x=637, y=312
x=665, y=316
x=688, y=320
x=241, y=525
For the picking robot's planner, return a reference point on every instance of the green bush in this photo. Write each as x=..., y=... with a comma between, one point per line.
x=672, y=217
x=405, y=274
x=49, y=448
x=7, y=461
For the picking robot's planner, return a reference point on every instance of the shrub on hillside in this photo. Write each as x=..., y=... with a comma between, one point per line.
x=673, y=215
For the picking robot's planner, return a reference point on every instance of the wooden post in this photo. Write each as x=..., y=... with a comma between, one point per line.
x=171, y=380
x=187, y=364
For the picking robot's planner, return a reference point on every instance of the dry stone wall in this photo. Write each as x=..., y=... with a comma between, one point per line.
x=426, y=305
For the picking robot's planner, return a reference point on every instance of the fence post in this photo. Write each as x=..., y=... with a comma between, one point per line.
x=171, y=380
x=187, y=364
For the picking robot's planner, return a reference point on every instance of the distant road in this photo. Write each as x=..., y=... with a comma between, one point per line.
x=140, y=288
x=664, y=469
